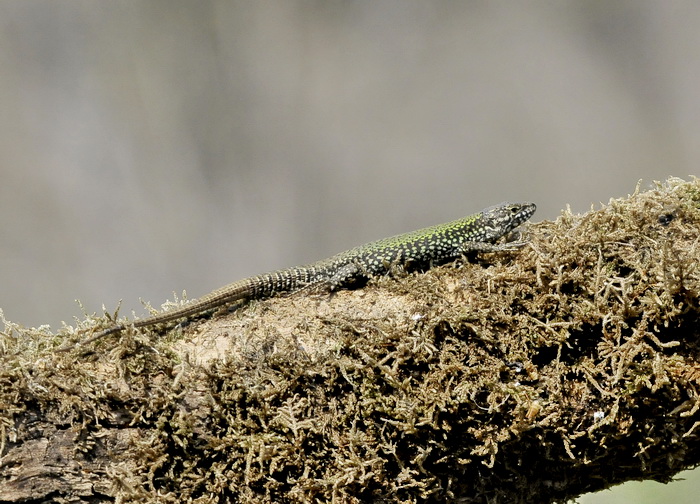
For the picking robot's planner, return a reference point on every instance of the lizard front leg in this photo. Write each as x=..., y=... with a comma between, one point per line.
x=472, y=246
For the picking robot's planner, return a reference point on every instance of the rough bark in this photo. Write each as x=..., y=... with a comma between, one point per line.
x=569, y=366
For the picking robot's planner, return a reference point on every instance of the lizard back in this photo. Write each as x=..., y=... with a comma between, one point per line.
x=437, y=244
x=426, y=247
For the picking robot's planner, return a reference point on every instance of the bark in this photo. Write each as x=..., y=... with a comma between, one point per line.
x=567, y=367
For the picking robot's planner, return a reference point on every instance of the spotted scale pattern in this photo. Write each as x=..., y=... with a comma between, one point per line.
x=423, y=248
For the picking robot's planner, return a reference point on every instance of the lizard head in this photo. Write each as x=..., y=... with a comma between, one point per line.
x=500, y=219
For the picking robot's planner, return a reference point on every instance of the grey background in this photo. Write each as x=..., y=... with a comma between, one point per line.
x=148, y=147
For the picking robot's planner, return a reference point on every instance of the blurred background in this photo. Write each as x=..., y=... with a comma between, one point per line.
x=151, y=147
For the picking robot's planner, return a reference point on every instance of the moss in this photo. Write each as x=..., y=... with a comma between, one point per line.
x=566, y=367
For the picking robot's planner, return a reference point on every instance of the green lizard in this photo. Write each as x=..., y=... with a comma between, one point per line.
x=423, y=248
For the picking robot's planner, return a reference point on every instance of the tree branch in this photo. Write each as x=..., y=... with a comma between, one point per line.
x=567, y=367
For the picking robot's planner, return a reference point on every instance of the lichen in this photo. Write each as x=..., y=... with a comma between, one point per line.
x=566, y=367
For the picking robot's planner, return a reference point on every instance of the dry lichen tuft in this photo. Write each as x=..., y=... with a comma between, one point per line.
x=567, y=367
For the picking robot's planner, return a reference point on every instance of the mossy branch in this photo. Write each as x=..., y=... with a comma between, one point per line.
x=569, y=366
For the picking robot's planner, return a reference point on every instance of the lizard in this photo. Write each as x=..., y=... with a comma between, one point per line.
x=422, y=248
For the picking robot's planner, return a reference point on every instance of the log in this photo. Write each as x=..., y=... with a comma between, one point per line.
x=566, y=367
